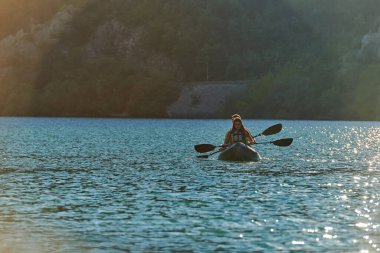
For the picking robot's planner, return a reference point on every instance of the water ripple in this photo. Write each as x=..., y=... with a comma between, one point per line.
x=94, y=185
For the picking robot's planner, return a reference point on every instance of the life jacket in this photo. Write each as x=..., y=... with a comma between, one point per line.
x=236, y=136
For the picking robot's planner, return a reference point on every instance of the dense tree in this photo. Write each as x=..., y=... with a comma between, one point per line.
x=306, y=59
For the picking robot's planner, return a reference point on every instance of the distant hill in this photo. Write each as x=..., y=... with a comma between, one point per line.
x=307, y=59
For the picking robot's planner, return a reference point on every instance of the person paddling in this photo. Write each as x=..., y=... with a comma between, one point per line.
x=238, y=133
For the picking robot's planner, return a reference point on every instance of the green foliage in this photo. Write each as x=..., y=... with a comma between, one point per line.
x=329, y=80
x=365, y=104
x=126, y=58
x=17, y=15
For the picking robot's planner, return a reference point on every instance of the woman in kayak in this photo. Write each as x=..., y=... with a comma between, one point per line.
x=238, y=133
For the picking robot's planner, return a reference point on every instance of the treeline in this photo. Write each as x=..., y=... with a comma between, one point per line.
x=338, y=79
x=18, y=15
x=126, y=58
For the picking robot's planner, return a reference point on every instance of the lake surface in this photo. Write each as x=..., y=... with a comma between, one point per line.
x=135, y=185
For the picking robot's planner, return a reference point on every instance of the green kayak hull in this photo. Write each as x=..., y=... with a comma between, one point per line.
x=239, y=152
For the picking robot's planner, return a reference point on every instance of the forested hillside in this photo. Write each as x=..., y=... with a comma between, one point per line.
x=307, y=59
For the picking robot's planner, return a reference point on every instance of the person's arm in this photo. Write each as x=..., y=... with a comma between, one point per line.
x=227, y=138
x=249, y=137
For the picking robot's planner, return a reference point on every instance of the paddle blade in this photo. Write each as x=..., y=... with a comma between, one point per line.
x=273, y=130
x=202, y=156
x=283, y=142
x=202, y=148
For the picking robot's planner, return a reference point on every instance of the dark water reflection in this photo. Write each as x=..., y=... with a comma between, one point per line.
x=112, y=185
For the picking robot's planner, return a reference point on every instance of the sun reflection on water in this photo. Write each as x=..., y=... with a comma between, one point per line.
x=319, y=195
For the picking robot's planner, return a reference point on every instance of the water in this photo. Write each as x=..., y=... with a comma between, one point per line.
x=135, y=185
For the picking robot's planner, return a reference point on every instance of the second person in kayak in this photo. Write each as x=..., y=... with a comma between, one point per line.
x=238, y=133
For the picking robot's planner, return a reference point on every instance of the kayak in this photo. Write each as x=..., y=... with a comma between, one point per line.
x=239, y=152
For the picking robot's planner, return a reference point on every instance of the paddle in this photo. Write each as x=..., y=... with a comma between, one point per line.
x=206, y=156
x=270, y=130
x=202, y=148
x=281, y=142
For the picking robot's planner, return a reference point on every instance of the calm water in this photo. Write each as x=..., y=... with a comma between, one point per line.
x=115, y=185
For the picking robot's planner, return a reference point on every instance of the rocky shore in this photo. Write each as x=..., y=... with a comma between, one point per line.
x=204, y=99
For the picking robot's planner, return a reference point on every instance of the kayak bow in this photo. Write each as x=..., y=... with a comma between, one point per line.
x=239, y=152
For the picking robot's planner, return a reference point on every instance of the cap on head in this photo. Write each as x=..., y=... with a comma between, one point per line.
x=235, y=116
